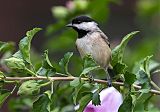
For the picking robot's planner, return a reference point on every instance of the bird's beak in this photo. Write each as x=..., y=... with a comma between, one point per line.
x=69, y=25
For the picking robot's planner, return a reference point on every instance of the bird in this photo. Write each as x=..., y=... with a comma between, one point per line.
x=91, y=40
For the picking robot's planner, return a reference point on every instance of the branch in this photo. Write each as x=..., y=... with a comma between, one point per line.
x=70, y=78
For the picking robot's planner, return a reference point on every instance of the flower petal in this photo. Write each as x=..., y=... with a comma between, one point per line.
x=111, y=100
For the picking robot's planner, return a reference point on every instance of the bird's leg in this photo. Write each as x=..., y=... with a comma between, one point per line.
x=109, y=72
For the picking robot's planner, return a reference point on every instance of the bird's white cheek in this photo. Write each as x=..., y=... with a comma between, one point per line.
x=81, y=26
x=88, y=26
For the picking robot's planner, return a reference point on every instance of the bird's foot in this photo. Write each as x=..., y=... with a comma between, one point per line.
x=109, y=82
x=90, y=78
x=109, y=76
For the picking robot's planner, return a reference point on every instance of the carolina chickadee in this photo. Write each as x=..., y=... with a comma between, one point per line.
x=91, y=40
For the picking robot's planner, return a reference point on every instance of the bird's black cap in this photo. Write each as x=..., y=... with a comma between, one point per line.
x=80, y=19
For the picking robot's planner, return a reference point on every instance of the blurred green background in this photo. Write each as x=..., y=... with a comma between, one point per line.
x=115, y=17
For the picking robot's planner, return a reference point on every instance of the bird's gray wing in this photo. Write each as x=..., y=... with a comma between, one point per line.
x=105, y=38
x=107, y=41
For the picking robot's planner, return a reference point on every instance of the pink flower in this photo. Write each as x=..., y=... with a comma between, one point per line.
x=70, y=5
x=111, y=100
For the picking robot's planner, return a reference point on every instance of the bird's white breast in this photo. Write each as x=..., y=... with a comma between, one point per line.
x=95, y=45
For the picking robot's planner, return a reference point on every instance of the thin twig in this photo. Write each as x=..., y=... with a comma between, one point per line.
x=70, y=78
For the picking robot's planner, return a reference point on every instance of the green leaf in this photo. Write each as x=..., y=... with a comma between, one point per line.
x=2, y=75
x=81, y=90
x=89, y=69
x=3, y=96
x=118, y=51
x=76, y=92
x=56, y=110
x=89, y=64
x=120, y=68
x=49, y=94
x=130, y=78
x=25, y=44
x=46, y=61
x=31, y=33
x=153, y=65
x=143, y=75
x=84, y=101
x=31, y=87
x=145, y=87
x=41, y=104
x=5, y=46
x=47, y=68
x=145, y=65
x=64, y=62
x=144, y=81
x=75, y=82
x=127, y=105
x=146, y=102
x=2, y=83
x=15, y=63
x=18, y=55
x=45, y=72
x=88, y=61
x=18, y=104
x=96, y=98
x=142, y=101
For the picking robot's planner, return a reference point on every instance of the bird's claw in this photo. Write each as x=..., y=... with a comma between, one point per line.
x=109, y=82
x=90, y=78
